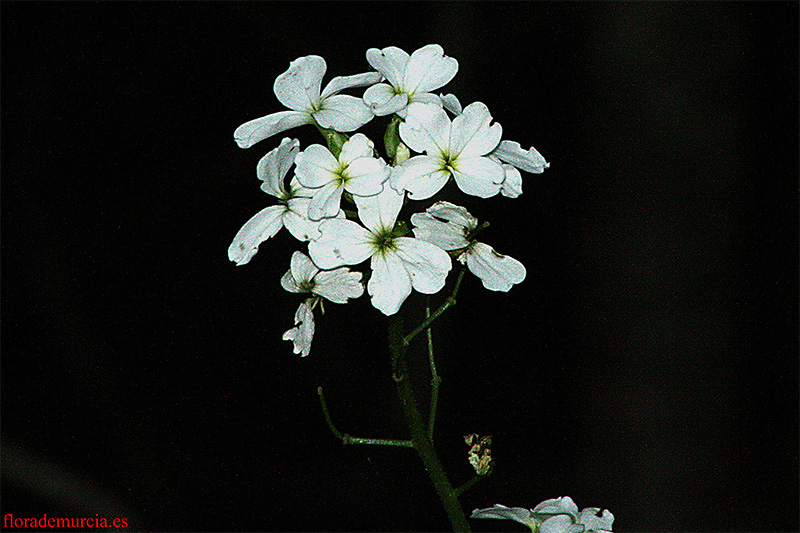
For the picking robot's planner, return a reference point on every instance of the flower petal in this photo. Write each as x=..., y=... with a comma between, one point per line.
x=302, y=334
x=471, y=135
x=338, y=285
x=383, y=100
x=390, y=283
x=288, y=282
x=297, y=222
x=512, y=184
x=445, y=225
x=298, y=87
x=427, y=264
x=426, y=129
x=342, y=242
x=366, y=176
x=326, y=202
x=451, y=103
x=589, y=518
x=340, y=83
x=315, y=166
x=497, y=272
x=273, y=167
x=259, y=129
x=428, y=69
x=391, y=62
x=355, y=147
x=479, y=176
x=258, y=229
x=517, y=514
x=380, y=211
x=530, y=161
x=560, y=524
x=343, y=112
x=303, y=269
x=554, y=506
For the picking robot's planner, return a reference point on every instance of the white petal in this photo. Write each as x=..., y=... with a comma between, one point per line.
x=298, y=87
x=340, y=83
x=355, y=147
x=445, y=236
x=380, y=211
x=315, y=166
x=453, y=214
x=297, y=222
x=426, y=129
x=273, y=167
x=302, y=334
x=426, y=263
x=518, y=514
x=342, y=242
x=296, y=189
x=342, y=112
x=593, y=522
x=497, y=272
x=391, y=62
x=428, y=69
x=383, y=100
x=258, y=229
x=451, y=103
x=530, y=161
x=259, y=129
x=471, y=135
x=479, y=176
x=390, y=283
x=366, y=176
x=338, y=285
x=326, y=202
x=512, y=184
x=303, y=269
x=560, y=524
x=562, y=505
x=422, y=176
x=288, y=282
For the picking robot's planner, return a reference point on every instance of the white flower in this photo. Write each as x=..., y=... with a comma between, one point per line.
x=291, y=212
x=398, y=263
x=303, y=331
x=299, y=89
x=336, y=285
x=559, y=515
x=411, y=78
x=450, y=227
x=455, y=149
x=303, y=276
x=355, y=171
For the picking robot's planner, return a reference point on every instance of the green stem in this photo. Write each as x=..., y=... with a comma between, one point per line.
x=419, y=435
x=466, y=486
x=347, y=439
x=449, y=302
x=436, y=380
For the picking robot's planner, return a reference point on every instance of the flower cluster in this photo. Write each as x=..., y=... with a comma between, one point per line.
x=559, y=515
x=451, y=142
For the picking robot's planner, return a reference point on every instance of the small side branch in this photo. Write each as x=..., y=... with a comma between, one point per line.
x=347, y=439
x=449, y=302
x=466, y=486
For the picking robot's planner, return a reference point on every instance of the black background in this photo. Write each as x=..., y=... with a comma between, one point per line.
x=648, y=364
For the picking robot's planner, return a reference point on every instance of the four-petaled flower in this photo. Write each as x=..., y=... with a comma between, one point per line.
x=336, y=285
x=451, y=227
x=456, y=148
x=411, y=78
x=355, y=171
x=292, y=211
x=559, y=515
x=299, y=89
x=398, y=263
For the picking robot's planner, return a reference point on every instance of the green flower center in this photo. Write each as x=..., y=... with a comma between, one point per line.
x=307, y=285
x=383, y=241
